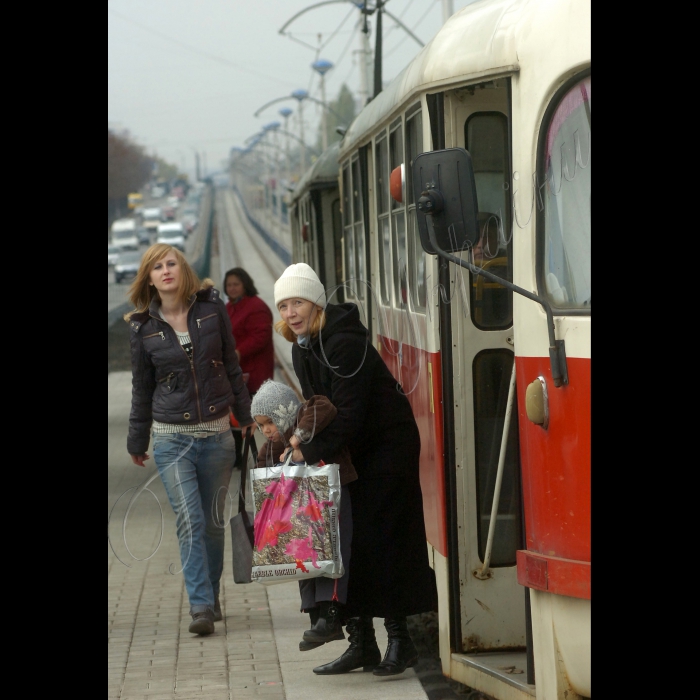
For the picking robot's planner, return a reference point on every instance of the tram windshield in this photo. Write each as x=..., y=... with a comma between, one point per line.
x=567, y=238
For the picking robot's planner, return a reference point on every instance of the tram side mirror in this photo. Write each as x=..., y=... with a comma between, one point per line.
x=445, y=196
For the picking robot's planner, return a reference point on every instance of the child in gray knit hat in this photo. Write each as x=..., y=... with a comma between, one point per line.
x=287, y=422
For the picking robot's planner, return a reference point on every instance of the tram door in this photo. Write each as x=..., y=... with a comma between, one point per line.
x=491, y=602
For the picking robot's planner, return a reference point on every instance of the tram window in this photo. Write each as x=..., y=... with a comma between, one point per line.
x=356, y=192
x=348, y=238
x=347, y=213
x=382, y=189
x=360, y=277
x=491, y=374
x=350, y=261
x=416, y=256
x=337, y=249
x=398, y=224
x=304, y=223
x=414, y=146
x=313, y=237
x=382, y=178
x=396, y=151
x=486, y=136
x=567, y=202
x=400, y=260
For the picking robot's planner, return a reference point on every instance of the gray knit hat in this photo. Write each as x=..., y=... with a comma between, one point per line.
x=277, y=401
x=300, y=281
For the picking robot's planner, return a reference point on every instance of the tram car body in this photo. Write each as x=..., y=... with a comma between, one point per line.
x=509, y=81
x=316, y=223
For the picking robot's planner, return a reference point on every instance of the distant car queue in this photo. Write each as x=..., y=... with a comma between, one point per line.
x=150, y=224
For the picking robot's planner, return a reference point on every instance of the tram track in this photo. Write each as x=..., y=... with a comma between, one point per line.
x=240, y=246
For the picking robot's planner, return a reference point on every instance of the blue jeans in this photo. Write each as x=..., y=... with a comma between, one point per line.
x=196, y=474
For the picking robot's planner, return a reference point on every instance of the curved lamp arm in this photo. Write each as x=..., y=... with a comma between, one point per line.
x=311, y=7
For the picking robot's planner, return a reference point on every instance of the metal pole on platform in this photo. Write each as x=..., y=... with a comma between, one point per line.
x=300, y=96
x=499, y=475
x=322, y=67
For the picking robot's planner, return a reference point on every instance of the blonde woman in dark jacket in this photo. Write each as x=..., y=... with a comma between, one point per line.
x=185, y=379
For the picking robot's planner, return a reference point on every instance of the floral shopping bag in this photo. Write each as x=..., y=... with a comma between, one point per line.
x=296, y=522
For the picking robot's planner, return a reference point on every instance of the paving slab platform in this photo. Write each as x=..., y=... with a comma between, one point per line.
x=254, y=651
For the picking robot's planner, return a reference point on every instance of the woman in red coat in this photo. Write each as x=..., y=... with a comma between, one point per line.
x=251, y=323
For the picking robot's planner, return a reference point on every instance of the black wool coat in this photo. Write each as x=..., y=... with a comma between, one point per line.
x=389, y=571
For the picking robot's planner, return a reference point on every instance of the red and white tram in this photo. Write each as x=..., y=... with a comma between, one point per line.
x=505, y=460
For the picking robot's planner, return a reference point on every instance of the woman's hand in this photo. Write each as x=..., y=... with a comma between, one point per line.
x=140, y=459
x=294, y=441
x=297, y=456
x=248, y=429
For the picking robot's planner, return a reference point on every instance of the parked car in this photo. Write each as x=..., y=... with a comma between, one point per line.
x=173, y=234
x=144, y=235
x=127, y=266
x=112, y=254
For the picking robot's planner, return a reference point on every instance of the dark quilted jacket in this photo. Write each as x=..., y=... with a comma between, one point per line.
x=167, y=387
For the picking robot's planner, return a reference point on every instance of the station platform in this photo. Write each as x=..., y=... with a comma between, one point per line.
x=254, y=651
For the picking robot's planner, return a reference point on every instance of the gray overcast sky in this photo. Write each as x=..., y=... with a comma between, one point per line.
x=185, y=75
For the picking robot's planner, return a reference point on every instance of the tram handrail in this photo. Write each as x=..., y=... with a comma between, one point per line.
x=499, y=477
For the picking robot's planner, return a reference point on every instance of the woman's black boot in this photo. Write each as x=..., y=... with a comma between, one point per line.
x=362, y=652
x=328, y=626
x=303, y=644
x=400, y=652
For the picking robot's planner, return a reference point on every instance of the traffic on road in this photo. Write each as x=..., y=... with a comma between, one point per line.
x=146, y=224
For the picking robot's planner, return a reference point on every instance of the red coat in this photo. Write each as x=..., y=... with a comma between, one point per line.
x=251, y=323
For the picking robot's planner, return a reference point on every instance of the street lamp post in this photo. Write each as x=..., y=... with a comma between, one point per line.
x=322, y=67
x=447, y=10
x=301, y=95
x=285, y=112
x=275, y=207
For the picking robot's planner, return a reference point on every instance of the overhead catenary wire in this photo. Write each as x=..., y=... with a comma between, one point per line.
x=194, y=49
x=347, y=46
x=395, y=26
x=422, y=17
x=338, y=28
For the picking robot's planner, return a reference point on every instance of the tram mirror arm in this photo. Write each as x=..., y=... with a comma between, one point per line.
x=557, y=351
x=444, y=189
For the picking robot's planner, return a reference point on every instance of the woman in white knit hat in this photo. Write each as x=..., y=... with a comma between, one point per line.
x=389, y=574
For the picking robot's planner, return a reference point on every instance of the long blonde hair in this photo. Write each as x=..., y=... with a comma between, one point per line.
x=314, y=329
x=142, y=292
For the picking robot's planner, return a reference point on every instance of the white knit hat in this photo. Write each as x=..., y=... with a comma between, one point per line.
x=300, y=281
x=278, y=402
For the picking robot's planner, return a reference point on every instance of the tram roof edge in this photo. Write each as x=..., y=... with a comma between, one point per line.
x=323, y=171
x=482, y=41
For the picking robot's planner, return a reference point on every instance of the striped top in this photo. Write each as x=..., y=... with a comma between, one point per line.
x=220, y=425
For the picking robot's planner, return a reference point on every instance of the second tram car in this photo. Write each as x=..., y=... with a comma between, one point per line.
x=505, y=459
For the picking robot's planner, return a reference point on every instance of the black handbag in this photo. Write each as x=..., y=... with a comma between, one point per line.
x=242, y=523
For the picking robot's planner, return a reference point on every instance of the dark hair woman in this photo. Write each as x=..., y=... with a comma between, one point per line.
x=389, y=573
x=251, y=323
x=186, y=377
